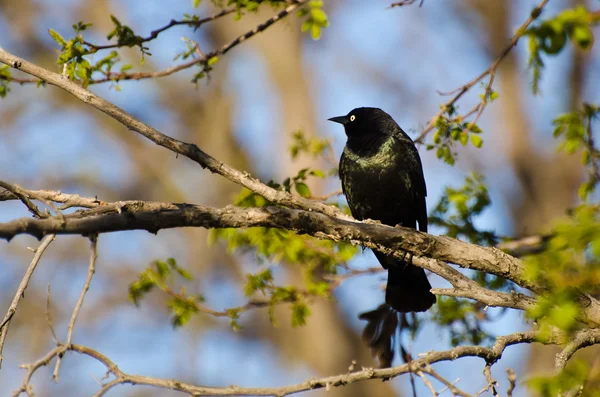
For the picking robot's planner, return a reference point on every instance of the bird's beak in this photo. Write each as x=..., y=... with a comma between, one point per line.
x=340, y=119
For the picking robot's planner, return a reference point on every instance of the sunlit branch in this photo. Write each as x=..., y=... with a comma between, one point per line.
x=490, y=355
x=188, y=150
x=428, y=251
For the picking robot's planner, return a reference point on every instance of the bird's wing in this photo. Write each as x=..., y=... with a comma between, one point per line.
x=348, y=192
x=417, y=178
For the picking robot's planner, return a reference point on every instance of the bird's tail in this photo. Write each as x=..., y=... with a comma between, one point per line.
x=379, y=333
x=407, y=291
x=408, y=288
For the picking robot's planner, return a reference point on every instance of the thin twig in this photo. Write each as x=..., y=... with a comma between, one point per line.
x=18, y=192
x=68, y=200
x=49, y=317
x=447, y=384
x=427, y=383
x=12, y=309
x=512, y=381
x=327, y=196
x=491, y=71
x=154, y=34
x=203, y=60
x=487, y=372
x=86, y=287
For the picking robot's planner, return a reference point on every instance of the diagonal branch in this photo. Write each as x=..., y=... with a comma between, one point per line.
x=428, y=251
x=186, y=149
x=12, y=309
x=84, y=290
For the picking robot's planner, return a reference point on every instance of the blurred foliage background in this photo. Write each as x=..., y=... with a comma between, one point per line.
x=263, y=108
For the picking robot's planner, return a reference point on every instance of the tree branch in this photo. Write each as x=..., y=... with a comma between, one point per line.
x=84, y=290
x=490, y=355
x=203, y=60
x=154, y=34
x=12, y=309
x=188, y=150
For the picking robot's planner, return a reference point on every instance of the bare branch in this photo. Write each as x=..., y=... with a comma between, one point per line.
x=49, y=317
x=490, y=355
x=448, y=385
x=69, y=200
x=12, y=309
x=582, y=339
x=18, y=193
x=189, y=150
x=84, y=290
x=512, y=381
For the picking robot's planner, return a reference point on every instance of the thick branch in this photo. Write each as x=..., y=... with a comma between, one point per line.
x=189, y=150
x=153, y=216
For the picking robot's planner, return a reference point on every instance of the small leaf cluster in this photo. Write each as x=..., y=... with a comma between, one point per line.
x=263, y=282
x=574, y=129
x=451, y=128
x=316, y=18
x=161, y=275
x=568, y=268
x=458, y=207
x=73, y=55
x=314, y=147
x=244, y=5
x=4, y=79
x=550, y=37
x=126, y=37
x=569, y=380
x=316, y=257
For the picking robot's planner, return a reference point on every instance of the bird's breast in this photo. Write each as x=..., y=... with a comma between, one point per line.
x=377, y=186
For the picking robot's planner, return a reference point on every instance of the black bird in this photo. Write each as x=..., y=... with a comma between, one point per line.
x=382, y=178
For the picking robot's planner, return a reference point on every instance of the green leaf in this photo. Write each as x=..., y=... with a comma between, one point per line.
x=476, y=141
x=306, y=25
x=318, y=16
x=196, y=3
x=115, y=20
x=302, y=189
x=300, y=312
x=57, y=37
x=212, y=61
x=582, y=36
x=315, y=31
x=317, y=173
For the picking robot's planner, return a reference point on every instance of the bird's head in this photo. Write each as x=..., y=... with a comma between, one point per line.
x=361, y=122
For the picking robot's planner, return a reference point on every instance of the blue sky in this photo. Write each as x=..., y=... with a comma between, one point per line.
x=418, y=50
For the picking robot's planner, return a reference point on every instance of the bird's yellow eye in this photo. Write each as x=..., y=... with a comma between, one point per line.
x=352, y=118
